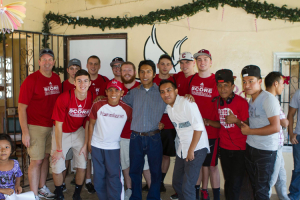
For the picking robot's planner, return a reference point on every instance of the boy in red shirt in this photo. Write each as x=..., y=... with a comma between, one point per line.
x=232, y=110
x=70, y=111
x=73, y=66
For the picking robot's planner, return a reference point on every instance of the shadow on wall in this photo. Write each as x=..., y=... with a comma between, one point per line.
x=103, y=2
x=295, y=45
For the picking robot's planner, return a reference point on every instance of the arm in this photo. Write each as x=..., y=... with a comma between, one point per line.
x=290, y=117
x=90, y=133
x=284, y=123
x=208, y=122
x=195, y=140
x=58, y=139
x=86, y=139
x=23, y=123
x=273, y=127
x=7, y=191
x=18, y=188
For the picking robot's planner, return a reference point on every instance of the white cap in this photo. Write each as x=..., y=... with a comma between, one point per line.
x=186, y=56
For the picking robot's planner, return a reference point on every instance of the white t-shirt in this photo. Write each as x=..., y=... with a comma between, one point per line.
x=265, y=106
x=186, y=118
x=110, y=121
x=295, y=104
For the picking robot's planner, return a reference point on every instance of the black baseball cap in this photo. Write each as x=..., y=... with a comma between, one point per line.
x=74, y=61
x=251, y=70
x=46, y=51
x=224, y=75
x=116, y=60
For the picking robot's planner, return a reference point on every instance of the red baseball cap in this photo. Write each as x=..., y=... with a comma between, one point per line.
x=116, y=84
x=202, y=52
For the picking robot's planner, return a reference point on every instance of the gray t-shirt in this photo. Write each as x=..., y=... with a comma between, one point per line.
x=295, y=104
x=265, y=106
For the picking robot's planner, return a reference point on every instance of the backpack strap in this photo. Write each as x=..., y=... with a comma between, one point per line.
x=192, y=79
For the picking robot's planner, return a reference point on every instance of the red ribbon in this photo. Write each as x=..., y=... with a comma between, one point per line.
x=286, y=79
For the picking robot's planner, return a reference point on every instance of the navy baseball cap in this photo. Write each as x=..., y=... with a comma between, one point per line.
x=224, y=75
x=74, y=61
x=251, y=70
x=116, y=60
x=46, y=51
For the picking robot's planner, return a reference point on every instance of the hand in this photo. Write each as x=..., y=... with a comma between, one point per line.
x=98, y=98
x=190, y=98
x=26, y=139
x=84, y=151
x=246, y=130
x=293, y=139
x=190, y=156
x=161, y=126
x=7, y=191
x=206, y=122
x=231, y=118
x=284, y=122
x=56, y=157
x=18, y=189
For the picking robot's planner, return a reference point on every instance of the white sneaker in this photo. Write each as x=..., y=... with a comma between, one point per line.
x=128, y=193
x=44, y=192
x=37, y=197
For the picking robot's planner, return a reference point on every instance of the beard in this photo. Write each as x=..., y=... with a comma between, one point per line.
x=132, y=78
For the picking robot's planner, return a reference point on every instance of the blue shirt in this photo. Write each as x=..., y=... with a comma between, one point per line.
x=148, y=108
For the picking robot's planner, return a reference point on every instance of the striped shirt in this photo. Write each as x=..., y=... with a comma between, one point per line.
x=148, y=108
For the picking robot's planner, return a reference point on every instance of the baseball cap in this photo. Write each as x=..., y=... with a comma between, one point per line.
x=251, y=70
x=116, y=60
x=116, y=84
x=186, y=56
x=74, y=61
x=202, y=52
x=46, y=51
x=224, y=75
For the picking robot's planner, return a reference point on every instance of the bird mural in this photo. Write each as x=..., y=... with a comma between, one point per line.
x=152, y=50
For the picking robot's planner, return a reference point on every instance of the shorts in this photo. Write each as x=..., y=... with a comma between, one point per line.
x=74, y=141
x=40, y=141
x=168, y=143
x=212, y=158
x=124, y=153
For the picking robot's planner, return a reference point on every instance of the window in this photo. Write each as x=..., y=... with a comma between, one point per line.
x=9, y=78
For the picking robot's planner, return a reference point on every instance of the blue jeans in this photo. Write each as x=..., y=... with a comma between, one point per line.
x=295, y=182
x=139, y=146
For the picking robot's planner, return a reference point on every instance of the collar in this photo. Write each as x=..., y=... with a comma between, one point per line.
x=153, y=87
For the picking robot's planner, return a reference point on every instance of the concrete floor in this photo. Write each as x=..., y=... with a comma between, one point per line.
x=85, y=195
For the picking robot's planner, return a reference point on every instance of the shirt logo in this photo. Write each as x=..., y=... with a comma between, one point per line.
x=252, y=112
x=201, y=90
x=223, y=113
x=111, y=115
x=79, y=112
x=80, y=106
x=97, y=90
x=51, y=89
x=184, y=124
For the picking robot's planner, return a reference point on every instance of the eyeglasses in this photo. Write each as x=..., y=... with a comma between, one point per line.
x=116, y=65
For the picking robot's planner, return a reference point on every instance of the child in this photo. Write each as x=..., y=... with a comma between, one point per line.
x=10, y=171
x=107, y=119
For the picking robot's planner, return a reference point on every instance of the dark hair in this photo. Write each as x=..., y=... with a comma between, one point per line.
x=128, y=63
x=94, y=56
x=272, y=77
x=165, y=81
x=148, y=62
x=166, y=56
x=6, y=137
x=82, y=72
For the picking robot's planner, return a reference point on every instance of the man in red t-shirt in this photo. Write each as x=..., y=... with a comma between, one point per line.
x=116, y=68
x=203, y=87
x=232, y=110
x=71, y=109
x=128, y=73
x=187, y=63
x=98, y=85
x=73, y=66
x=167, y=134
x=37, y=97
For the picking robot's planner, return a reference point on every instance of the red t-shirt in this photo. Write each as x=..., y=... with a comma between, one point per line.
x=66, y=86
x=98, y=86
x=71, y=111
x=165, y=118
x=231, y=137
x=40, y=94
x=182, y=83
x=204, y=90
x=126, y=130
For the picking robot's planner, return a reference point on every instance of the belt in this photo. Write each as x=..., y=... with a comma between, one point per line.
x=150, y=133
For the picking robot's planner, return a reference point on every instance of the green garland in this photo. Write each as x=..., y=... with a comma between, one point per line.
x=263, y=10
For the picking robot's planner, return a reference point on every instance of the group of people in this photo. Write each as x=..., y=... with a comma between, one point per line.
x=129, y=128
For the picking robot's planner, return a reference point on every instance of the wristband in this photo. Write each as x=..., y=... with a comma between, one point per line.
x=59, y=150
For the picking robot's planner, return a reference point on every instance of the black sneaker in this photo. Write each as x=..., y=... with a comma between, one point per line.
x=90, y=188
x=76, y=197
x=145, y=188
x=73, y=181
x=162, y=187
x=204, y=195
x=174, y=196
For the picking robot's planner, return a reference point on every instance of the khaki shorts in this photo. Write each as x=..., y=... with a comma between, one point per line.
x=124, y=153
x=73, y=140
x=40, y=141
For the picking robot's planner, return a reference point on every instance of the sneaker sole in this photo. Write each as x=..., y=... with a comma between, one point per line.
x=41, y=196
